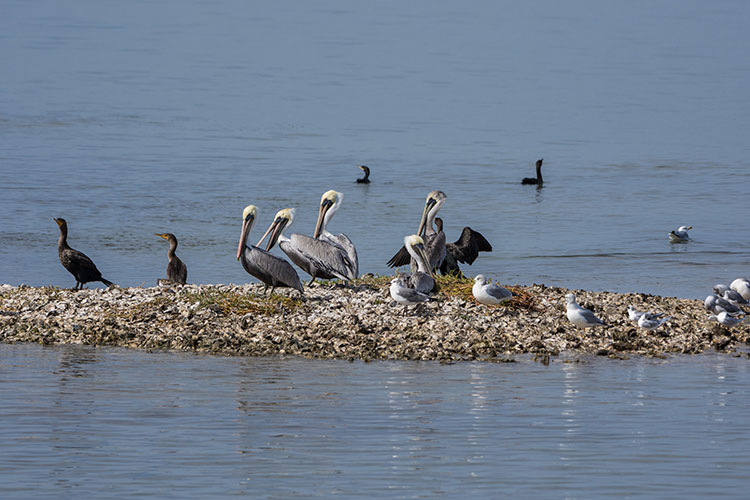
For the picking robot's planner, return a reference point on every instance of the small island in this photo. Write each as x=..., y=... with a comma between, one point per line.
x=357, y=321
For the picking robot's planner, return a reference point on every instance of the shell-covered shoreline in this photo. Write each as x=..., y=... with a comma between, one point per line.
x=354, y=322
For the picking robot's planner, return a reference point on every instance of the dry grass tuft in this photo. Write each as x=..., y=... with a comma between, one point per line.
x=241, y=304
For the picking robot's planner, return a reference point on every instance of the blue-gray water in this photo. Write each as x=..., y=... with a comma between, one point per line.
x=86, y=422
x=133, y=118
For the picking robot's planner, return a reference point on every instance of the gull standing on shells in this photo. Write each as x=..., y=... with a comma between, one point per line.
x=732, y=296
x=680, y=235
x=580, y=317
x=650, y=323
x=489, y=293
x=727, y=320
x=717, y=305
x=403, y=294
x=635, y=315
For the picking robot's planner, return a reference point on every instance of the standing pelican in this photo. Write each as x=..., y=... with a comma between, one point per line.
x=421, y=280
x=330, y=202
x=176, y=269
x=538, y=180
x=317, y=258
x=366, y=178
x=434, y=241
x=465, y=249
x=269, y=269
x=77, y=263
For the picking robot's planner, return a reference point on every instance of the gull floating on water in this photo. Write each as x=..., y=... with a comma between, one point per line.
x=741, y=286
x=727, y=320
x=727, y=293
x=650, y=323
x=401, y=293
x=489, y=293
x=635, y=315
x=680, y=235
x=717, y=305
x=580, y=317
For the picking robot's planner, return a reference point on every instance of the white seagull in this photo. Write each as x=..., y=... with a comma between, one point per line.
x=635, y=315
x=680, y=235
x=580, y=317
x=732, y=296
x=726, y=320
x=717, y=305
x=651, y=323
x=401, y=293
x=489, y=293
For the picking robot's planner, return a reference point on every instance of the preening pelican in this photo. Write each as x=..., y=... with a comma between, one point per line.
x=465, y=249
x=434, y=241
x=77, y=263
x=538, y=180
x=176, y=269
x=366, y=178
x=317, y=258
x=420, y=280
x=330, y=202
x=269, y=269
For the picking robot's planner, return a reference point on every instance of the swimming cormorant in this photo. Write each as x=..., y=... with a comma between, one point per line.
x=531, y=180
x=366, y=178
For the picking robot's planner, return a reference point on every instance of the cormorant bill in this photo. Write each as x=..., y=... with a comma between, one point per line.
x=176, y=269
x=465, y=249
x=366, y=178
x=539, y=181
x=77, y=263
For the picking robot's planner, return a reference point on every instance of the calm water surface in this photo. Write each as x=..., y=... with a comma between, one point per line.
x=143, y=117
x=85, y=422
x=132, y=118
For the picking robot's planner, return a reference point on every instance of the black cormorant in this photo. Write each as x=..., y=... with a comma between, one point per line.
x=465, y=249
x=539, y=181
x=366, y=178
x=77, y=263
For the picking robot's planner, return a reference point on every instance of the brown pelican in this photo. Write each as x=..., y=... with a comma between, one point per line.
x=269, y=269
x=329, y=205
x=538, y=180
x=366, y=178
x=317, y=258
x=434, y=241
x=465, y=249
x=176, y=269
x=421, y=280
x=77, y=263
